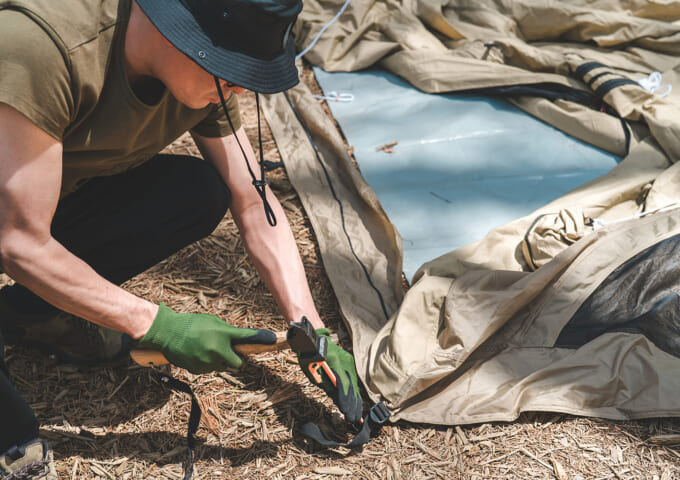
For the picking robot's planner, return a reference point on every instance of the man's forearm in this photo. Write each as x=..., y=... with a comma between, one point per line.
x=272, y=249
x=275, y=255
x=68, y=283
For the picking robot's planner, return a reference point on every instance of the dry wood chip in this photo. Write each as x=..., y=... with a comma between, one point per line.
x=413, y=458
x=171, y=472
x=616, y=454
x=100, y=470
x=181, y=449
x=396, y=469
x=332, y=471
x=497, y=459
x=554, y=419
x=252, y=397
x=231, y=379
x=111, y=463
x=75, y=469
x=531, y=455
x=127, y=377
x=616, y=474
x=560, y=472
x=429, y=451
x=489, y=436
x=670, y=439
x=201, y=299
x=275, y=469
x=461, y=435
x=60, y=395
x=387, y=148
x=67, y=369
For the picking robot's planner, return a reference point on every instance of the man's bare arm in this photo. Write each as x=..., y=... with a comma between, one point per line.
x=30, y=182
x=272, y=249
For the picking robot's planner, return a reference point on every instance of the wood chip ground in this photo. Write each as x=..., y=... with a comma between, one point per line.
x=117, y=423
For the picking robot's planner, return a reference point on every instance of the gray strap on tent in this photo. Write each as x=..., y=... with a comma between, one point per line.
x=373, y=422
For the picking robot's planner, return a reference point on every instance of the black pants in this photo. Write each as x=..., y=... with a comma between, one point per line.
x=121, y=225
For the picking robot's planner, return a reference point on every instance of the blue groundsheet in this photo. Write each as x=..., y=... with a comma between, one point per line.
x=463, y=164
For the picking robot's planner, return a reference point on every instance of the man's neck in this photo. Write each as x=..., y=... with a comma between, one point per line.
x=133, y=58
x=139, y=38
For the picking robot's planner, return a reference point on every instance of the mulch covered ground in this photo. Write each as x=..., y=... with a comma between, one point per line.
x=118, y=423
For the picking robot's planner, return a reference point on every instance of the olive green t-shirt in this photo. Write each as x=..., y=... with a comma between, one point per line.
x=62, y=66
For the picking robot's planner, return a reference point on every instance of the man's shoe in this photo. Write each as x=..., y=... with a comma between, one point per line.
x=31, y=461
x=71, y=339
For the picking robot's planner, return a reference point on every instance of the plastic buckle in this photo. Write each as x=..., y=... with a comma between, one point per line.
x=379, y=413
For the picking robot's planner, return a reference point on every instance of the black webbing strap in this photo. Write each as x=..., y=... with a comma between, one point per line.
x=583, y=69
x=605, y=87
x=626, y=133
x=261, y=184
x=377, y=416
x=550, y=91
x=373, y=422
x=595, y=77
x=194, y=417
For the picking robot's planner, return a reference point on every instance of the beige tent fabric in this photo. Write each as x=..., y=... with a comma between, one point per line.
x=535, y=41
x=473, y=338
x=339, y=203
x=494, y=354
x=551, y=232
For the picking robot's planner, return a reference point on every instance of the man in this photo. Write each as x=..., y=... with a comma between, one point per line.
x=90, y=92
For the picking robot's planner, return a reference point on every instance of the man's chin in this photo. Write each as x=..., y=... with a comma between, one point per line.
x=195, y=105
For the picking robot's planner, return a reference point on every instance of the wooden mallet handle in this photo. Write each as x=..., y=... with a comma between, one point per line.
x=145, y=357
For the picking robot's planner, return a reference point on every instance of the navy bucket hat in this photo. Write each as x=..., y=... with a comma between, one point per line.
x=246, y=42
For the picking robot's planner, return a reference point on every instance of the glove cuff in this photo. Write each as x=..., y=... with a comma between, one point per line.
x=324, y=332
x=167, y=331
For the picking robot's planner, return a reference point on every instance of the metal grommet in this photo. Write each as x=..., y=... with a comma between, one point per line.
x=201, y=54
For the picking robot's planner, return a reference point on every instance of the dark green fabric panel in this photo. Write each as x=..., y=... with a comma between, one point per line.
x=640, y=296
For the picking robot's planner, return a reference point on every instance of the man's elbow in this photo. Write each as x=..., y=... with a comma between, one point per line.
x=16, y=249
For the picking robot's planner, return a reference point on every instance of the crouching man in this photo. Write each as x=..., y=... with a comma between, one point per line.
x=90, y=92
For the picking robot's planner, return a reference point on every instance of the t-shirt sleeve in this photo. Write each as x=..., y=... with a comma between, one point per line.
x=216, y=123
x=34, y=77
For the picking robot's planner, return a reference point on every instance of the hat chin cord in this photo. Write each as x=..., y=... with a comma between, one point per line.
x=261, y=184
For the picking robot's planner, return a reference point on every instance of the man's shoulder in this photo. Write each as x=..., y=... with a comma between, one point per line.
x=71, y=24
x=35, y=79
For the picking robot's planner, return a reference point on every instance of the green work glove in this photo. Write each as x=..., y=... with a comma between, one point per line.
x=346, y=395
x=199, y=342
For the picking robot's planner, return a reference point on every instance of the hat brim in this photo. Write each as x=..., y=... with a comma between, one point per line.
x=182, y=30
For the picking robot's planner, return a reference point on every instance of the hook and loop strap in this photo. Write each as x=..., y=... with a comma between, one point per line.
x=259, y=184
x=194, y=418
x=376, y=418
